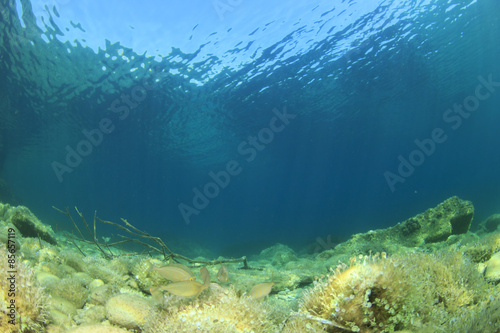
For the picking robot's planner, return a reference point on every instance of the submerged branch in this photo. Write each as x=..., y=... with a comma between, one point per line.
x=159, y=246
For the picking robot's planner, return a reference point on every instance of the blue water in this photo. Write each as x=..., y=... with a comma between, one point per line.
x=303, y=113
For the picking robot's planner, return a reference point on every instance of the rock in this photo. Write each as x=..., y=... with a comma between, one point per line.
x=59, y=318
x=27, y=223
x=128, y=311
x=451, y=217
x=96, y=283
x=491, y=224
x=101, y=294
x=47, y=280
x=62, y=305
x=493, y=267
x=271, y=251
x=91, y=315
x=279, y=254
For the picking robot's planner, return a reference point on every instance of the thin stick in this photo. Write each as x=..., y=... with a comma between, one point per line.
x=84, y=221
x=67, y=235
x=70, y=218
x=132, y=230
x=94, y=238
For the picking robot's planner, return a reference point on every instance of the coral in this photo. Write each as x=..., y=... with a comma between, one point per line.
x=380, y=294
x=20, y=289
x=219, y=311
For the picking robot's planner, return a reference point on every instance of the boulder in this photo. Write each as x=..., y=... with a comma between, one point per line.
x=26, y=223
x=128, y=311
x=492, y=222
x=451, y=217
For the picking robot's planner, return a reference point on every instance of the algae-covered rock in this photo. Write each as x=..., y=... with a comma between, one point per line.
x=47, y=280
x=74, y=259
x=145, y=276
x=491, y=224
x=101, y=294
x=493, y=267
x=91, y=315
x=451, y=217
x=71, y=289
x=279, y=254
x=27, y=223
x=62, y=305
x=129, y=311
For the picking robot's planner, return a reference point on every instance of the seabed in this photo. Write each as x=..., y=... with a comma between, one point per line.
x=429, y=273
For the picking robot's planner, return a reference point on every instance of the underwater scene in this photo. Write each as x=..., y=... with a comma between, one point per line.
x=249, y=166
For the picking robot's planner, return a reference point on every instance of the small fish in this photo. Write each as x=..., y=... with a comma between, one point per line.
x=223, y=274
x=175, y=272
x=261, y=290
x=157, y=294
x=205, y=277
x=185, y=288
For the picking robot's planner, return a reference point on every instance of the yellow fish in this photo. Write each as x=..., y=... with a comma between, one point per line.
x=261, y=290
x=185, y=288
x=205, y=277
x=175, y=272
x=223, y=274
x=157, y=294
